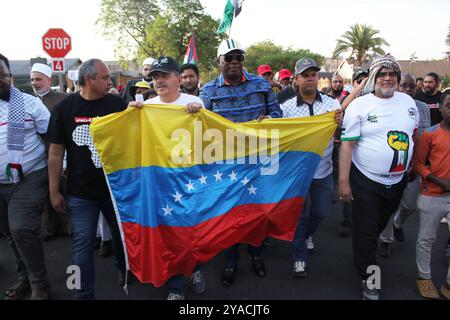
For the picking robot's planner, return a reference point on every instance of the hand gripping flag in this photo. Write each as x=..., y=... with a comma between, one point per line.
x=187, y=186
x=191, y=51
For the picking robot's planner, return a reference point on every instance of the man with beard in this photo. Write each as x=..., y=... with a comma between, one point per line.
x=146, y=69
x=377, y=142
x=23, y=184
x=190, y=79
x=41, y=81
x=431, y=96
x=240, y=97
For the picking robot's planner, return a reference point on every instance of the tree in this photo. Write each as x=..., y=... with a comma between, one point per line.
x=266, y=52
x=143, y=28
x=362, y=41
x=125, y=22
x=170, y=32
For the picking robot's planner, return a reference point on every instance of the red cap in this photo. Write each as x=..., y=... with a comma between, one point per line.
x=284, y=73
x=264, y=69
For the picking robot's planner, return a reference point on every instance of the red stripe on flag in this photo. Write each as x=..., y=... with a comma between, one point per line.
x=156, y=254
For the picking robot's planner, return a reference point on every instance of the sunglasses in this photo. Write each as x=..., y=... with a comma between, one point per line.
x=230, y=57
x=389, y=74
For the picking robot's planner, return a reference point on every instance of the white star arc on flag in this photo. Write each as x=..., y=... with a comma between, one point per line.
x=218, y=176
x=252, y=190
x=167, y=210
x=190, y=186
x=245, y=181
x=203, y=179
x=177, y=197
x=233, y=176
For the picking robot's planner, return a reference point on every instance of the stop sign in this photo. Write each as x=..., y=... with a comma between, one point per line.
x=57, y=43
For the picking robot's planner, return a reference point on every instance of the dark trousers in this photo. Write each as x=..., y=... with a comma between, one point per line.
x=232, y=254
x=373, y=205
x=21, y=206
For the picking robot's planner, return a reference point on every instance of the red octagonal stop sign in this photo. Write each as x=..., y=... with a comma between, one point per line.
x=57, y=43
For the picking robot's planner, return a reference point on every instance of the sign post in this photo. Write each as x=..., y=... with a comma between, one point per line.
x=57, y=43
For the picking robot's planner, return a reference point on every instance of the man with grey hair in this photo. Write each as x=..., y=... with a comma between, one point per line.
x=408, y=204
x=87, y=190
x=378, y=136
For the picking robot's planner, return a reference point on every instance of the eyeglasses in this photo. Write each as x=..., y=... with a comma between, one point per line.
x=5, y=75
x=230, y=57
x=405, y=85
x=390, y=74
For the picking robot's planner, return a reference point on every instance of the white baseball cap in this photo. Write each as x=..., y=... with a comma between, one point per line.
x=148, y=61
x=229, y=45
x=42, y=68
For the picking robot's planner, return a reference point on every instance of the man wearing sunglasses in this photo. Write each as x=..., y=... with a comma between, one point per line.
x=240, y=97
x=376, y=149
x=408, y=204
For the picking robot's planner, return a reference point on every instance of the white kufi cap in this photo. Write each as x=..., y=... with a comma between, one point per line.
x=42, y=68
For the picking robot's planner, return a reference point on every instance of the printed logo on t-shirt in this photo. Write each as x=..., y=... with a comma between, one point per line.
x=83, y=119
x=412, y=113
x=433, y=106
x=372, y=118
x=399, y=143
x=82, y=137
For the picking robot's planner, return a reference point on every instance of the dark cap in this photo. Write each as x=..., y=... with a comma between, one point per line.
x=304, y=64
x=166, y=65
x=359, y=73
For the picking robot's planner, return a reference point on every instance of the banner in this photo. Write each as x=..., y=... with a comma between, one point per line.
x=187, y=186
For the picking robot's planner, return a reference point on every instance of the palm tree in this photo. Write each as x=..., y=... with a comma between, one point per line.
x=363, y=42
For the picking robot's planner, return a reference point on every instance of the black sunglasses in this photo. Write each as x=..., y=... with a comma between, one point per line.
x=229, y=57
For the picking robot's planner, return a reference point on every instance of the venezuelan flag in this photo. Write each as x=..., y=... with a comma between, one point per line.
x=187, y=186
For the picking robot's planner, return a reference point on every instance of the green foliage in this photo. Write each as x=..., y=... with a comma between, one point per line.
x=362, y=42
x=266, y=52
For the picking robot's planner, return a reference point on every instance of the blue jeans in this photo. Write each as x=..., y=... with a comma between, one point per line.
x=321, y=201
x=84, y=217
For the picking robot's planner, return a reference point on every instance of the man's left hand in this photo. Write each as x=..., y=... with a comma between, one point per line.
x=262, y=117
x=193, y=107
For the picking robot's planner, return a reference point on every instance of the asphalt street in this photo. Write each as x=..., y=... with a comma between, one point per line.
x=331, y=274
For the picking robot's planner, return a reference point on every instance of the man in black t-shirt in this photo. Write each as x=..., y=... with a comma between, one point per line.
x=431, y=96
x=87, y=190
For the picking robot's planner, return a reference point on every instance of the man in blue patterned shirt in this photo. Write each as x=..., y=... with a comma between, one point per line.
x=240, y=97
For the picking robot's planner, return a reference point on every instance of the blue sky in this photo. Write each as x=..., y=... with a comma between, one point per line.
x=409, y=26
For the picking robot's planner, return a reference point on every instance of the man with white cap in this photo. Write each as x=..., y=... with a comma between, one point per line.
x=41, y=81
x=146, y=69
x=240, y=97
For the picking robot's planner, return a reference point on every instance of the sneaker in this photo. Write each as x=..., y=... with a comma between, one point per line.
x=309, y=244
x=344, y=229
x=175, y=296
x=369, y=294
x=385, y=250
x=299, y=269
x=444, y=220
x=445, y=291
x=427, y=289
x=39, y=294
x=197, y=282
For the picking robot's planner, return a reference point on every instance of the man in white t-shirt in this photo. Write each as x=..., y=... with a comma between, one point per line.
x=166, y=80
x=377, y=146
x=308, y=101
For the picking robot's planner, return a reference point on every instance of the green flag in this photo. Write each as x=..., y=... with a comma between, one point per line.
x=228, y=15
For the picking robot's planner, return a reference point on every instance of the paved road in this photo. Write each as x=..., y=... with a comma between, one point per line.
x=331, y=272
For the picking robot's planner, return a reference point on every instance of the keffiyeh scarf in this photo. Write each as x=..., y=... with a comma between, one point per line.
x=15, y=135
x=386, y=61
